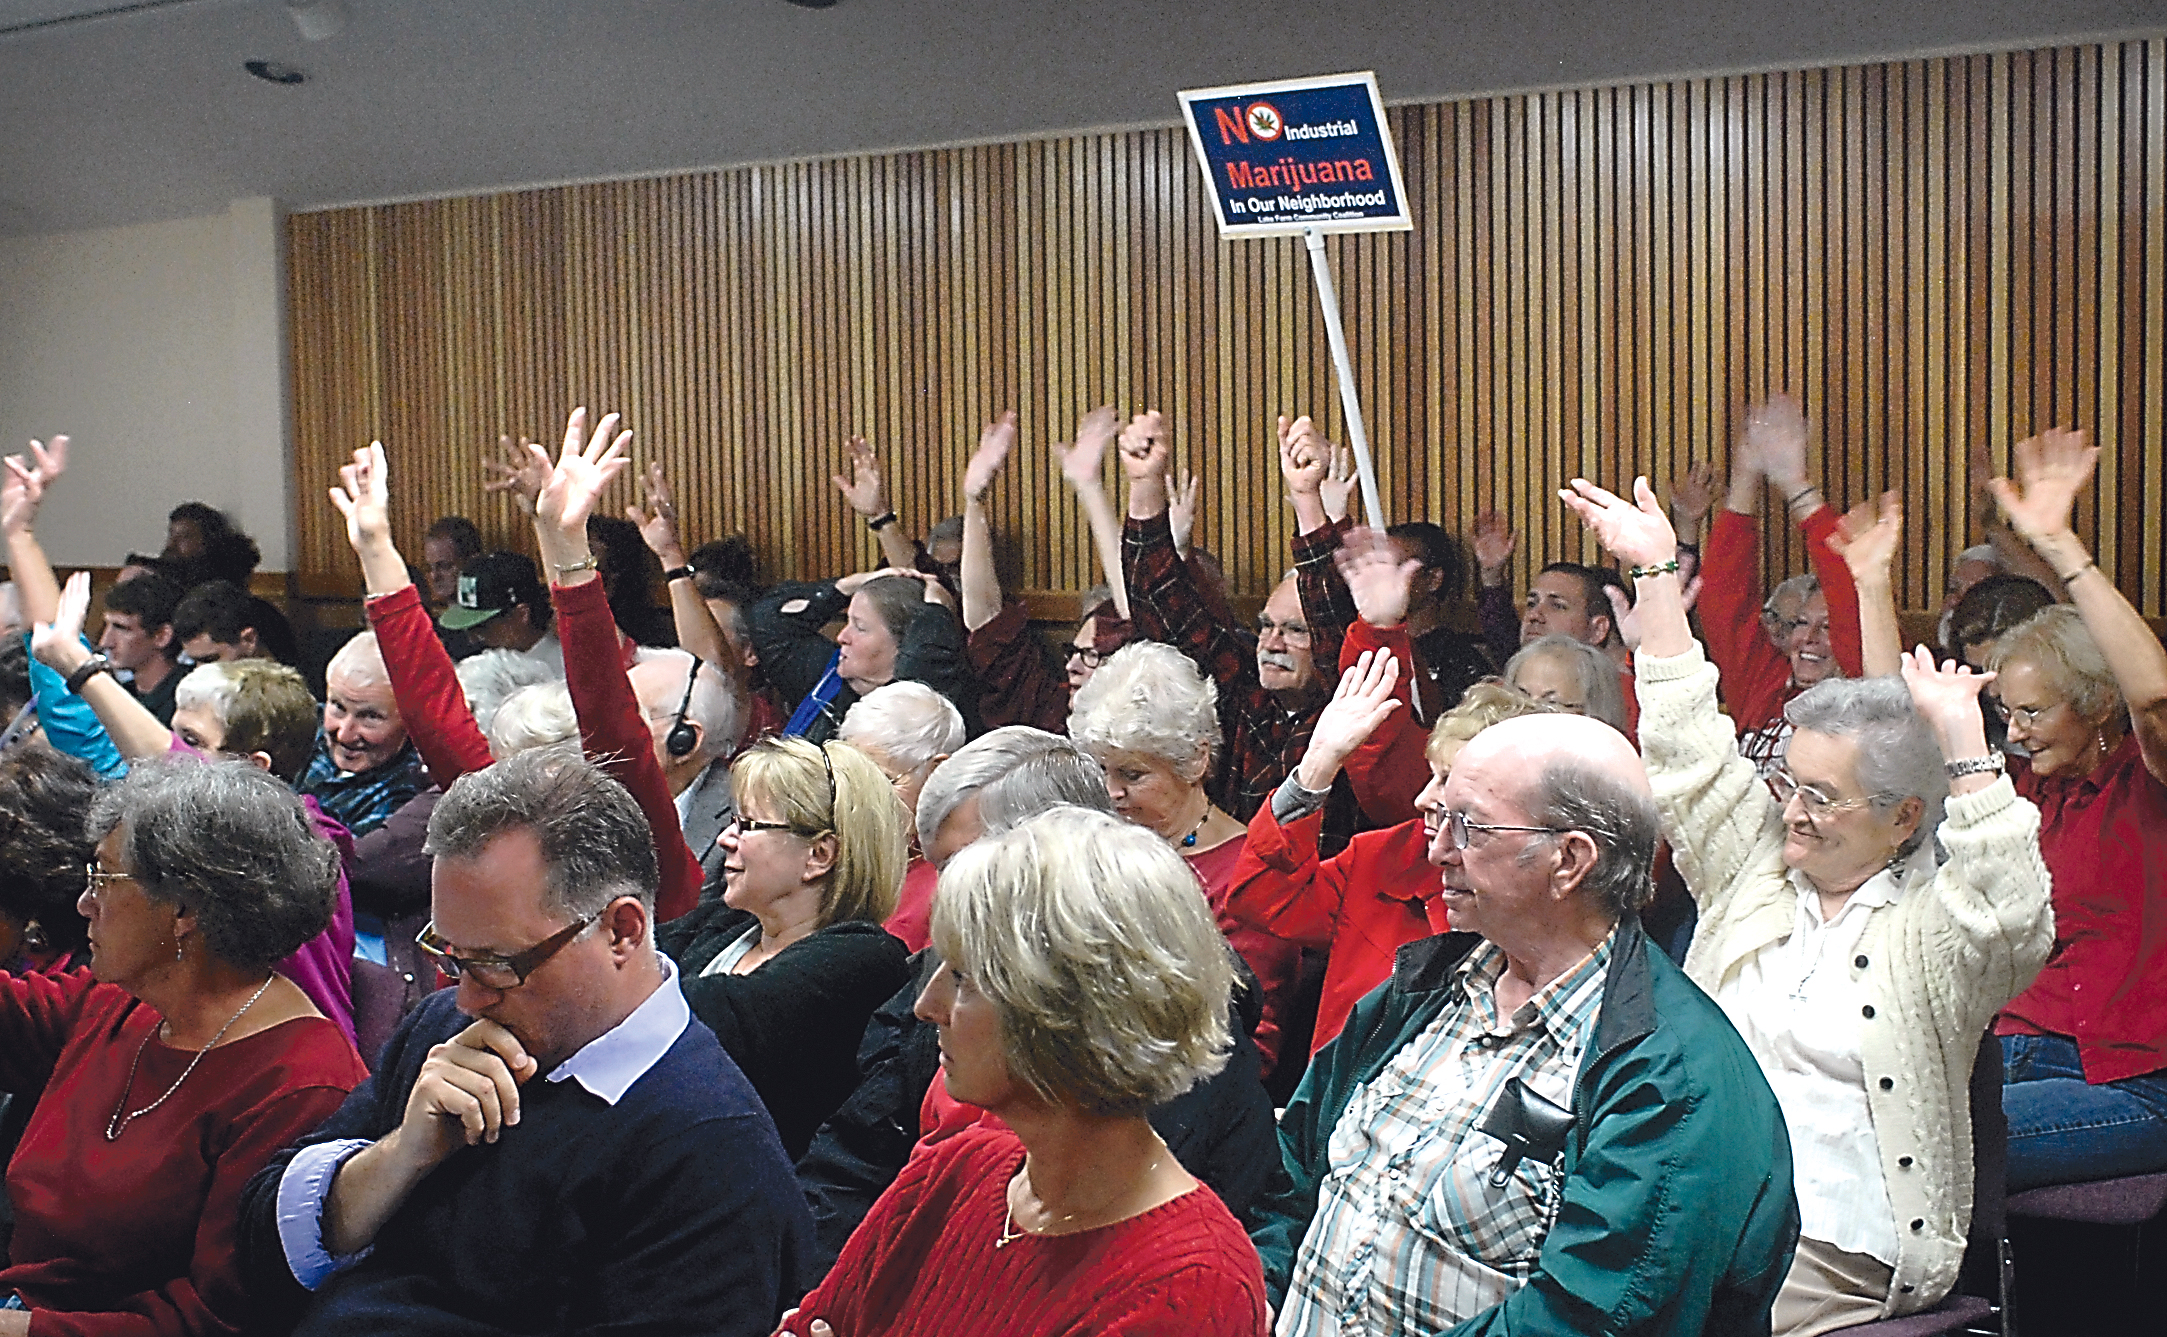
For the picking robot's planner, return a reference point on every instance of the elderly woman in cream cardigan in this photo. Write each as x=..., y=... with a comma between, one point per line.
x=1864, y=912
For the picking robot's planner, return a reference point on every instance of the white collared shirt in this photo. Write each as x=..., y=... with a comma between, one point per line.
x=605, y=1066
x=1796, y=1002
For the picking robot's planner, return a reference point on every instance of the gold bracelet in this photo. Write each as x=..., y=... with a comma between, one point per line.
x=588, y=563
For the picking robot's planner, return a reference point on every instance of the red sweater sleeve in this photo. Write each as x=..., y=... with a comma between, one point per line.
x=1392, y=765
x=1280, y=887
x=1838, y=588
x=615, y=736
x=1753, y=675
x=37, y=1014
x=431, y=702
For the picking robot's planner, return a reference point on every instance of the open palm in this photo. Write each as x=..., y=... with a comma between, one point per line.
x=586, y=468
x=1636, y=531
x=2051, y=469
x=1082, y=462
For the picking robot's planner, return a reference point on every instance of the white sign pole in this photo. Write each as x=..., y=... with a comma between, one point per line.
x=1357, y=435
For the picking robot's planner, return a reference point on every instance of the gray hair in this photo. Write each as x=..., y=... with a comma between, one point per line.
x=1598, y=676
x=1017, y=772
x=595, y=842
x=2055, y=641
x=1800, y=588
x=1572, y=794
x=1986, y=554
x=713, y=704
x=1087, y=934
x=229, y=844
x=491, y=677
x=537, y=715
x=1898, y=758
x=208, y=686
x=909, y=722
x=1149, y=698
x=361, y=659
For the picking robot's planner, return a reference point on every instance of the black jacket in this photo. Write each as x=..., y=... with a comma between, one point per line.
x=794, y=655
x=794, y=1024
x=1221, y=1130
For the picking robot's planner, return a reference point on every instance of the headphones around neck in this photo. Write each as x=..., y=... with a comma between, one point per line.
x=684, y=735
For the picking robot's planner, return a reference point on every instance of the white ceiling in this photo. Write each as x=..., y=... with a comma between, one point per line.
x=146, y=114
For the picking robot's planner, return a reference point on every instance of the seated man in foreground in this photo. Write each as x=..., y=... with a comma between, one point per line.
x=1538, y=1125
x=454, y=1192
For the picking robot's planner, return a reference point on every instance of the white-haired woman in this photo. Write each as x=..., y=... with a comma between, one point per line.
x=1152, y=721
x=1861, y=965
x=907, y=730
x=1571, y=675
x=1080, y=1219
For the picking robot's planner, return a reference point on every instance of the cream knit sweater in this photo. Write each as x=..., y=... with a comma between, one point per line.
x=1936, y=964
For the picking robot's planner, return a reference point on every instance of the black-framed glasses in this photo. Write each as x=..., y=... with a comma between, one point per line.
x=1458, y=829
x=745, y=826
x=1091, y=658
x=1783, y=784
x=498, y=972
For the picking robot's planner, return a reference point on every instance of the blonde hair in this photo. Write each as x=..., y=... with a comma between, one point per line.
x=1089, y=937
x=863, y=816
x=2056, y=642
x=1483, y=704
x=1149, y=698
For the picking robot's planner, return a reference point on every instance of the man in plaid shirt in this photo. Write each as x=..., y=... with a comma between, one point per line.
x=1538, y=1125
x=1269, y=696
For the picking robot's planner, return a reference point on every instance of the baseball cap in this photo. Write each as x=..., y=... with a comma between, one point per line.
x=491, y=584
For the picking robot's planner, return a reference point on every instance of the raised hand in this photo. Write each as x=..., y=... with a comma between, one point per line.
x=585, y=468
x=994, y=444
x=1181, y=508
x=1693, y=496
x=1947, y=698
x=1494, y=544
x=363, y=496
x=1360, y=703
x=865, y=490
x=1636, y=531
x=517, y=471
x=1305, y=457
x=1379, y=581
x=657, y=520
x=1337, y=491
x=1146, y=451
x=2051, y=469
x=1866, y=538
x=59, y=643
x=1081, y=463
x=1775, y=439
x=23, y=490
x=1624, y=616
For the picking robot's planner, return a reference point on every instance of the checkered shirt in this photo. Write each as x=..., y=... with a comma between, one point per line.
x=1409, y=1236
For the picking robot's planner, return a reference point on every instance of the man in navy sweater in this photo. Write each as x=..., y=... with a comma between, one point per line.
x=556, y=1145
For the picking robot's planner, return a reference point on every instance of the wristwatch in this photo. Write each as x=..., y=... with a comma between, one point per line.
x=1993, y=763
x=91, y=668
x=676, y=573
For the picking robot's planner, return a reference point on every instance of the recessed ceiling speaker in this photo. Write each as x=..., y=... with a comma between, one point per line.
x=318, y=20
x=273, y=73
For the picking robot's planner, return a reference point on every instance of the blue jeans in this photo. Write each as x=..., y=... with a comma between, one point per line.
x=2065, y=1130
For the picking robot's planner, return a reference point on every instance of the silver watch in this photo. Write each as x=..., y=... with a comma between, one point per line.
x=1992, y=763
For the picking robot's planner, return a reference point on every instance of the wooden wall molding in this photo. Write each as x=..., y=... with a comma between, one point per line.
x=1933, y=254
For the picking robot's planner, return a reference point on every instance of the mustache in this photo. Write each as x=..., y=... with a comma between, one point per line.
x=1277, y=659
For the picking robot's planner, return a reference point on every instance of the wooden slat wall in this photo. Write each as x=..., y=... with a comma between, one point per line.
x=1930, y=254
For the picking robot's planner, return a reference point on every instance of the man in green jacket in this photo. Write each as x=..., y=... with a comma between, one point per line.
x=1538, y=1125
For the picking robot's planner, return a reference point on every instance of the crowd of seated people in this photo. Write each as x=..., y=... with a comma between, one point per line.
x=850, y=956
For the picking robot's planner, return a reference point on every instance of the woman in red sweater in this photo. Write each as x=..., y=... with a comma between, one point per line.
x=176, y=1066
x=1084, y=983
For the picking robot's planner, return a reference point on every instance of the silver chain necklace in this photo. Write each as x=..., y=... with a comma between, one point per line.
x=118, y=1124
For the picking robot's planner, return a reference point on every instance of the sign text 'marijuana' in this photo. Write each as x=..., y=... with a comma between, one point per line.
x=1297, y=154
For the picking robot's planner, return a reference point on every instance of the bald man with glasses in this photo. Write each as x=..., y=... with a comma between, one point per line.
x=554, y=1144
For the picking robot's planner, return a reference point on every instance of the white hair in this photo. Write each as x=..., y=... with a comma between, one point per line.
x=361, y=659
x=209, y=685
x=909, y=722
x=1017, y=772
x=1149, y=698
x=490, y=677
x=713, y=704
x=536, y=715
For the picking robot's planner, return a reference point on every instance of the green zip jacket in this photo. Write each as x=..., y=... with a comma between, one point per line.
x=1678, y=1217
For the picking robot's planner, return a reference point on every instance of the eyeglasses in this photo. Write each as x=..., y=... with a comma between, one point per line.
x=2026, y=717
x=498, y=972
x=1457, y=829
x=747, y=825
x=95, y=878
x=1295, y=633
x=1091, y=658
x=1783, y=784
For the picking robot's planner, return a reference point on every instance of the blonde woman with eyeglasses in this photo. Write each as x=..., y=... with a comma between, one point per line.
x=789, y=961
x=1863, y=915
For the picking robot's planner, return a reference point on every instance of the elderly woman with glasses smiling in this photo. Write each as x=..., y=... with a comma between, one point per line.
x=1863, y=915
x=789, y=962
x=177, y=1065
